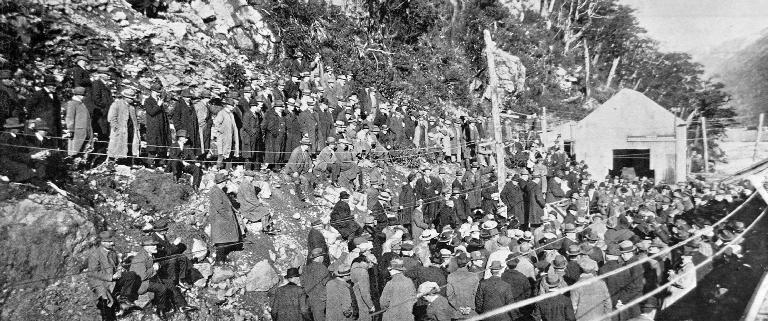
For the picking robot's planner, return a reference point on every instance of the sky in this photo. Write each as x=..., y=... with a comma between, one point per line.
x=694, y=25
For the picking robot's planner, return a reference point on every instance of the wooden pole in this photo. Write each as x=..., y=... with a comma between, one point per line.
x=495, y=110
x=544, y=136
x=759, y=134
x=706, y=144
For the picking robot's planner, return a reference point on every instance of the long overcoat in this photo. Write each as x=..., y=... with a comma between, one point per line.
x=225, y=131
x=250, y=134
x=290, y=304
x=398, y=299
x=535, y=203
x=158, y=132
x=224, y=226
x=79, y=123
x=338, y=297
x=183, y=116
x=274, y=127
x=119, y=114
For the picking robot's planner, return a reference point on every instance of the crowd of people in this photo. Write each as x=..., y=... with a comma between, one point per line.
x=446, y=246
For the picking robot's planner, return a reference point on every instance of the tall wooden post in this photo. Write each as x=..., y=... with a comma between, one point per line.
x=706, y=144
x=759, y=135
x=459, y=143
x=544, y=135
x=501, y=167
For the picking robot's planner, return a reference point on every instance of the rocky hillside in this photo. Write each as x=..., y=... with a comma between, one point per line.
x=742, y=68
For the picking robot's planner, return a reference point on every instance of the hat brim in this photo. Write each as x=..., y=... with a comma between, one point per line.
x=13, y=126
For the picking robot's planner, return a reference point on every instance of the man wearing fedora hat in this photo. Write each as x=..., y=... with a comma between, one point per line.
x=340, y=303
x=183, y=116
x=300, y=167
x=182, y=159
x=158, y=135
x=251, y=135
x=558, y=307
x=115, y=288
x=494, y=293
x=97, y=99
x=225, y=134
x=122, y=116
x=78, y=120
x=45, y=104
x=78, y=75
x=275, y=128
x=398, y=297
x=289, y=302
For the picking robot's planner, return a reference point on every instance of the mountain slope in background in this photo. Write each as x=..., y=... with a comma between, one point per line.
x=742, y=65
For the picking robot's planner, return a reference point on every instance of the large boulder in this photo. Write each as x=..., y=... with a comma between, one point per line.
x=42, y=237
x=261, y=277
x=510, y=72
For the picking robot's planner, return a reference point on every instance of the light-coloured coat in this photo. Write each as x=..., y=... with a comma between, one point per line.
x=398, y=299
x=101, y=267
x=79, y=124
x=119, y=114
x=225, y=131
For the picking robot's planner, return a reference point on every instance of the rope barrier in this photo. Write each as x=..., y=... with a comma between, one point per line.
x=192, y=252
x=526, y=302
x=681, y=276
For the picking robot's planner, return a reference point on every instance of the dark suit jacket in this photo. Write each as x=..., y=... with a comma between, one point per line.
x=289, y=303
x=42, y=106
x=493, y=293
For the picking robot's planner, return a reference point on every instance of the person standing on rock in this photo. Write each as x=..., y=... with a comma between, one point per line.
x=274, y=128
x=314, y=280
x=339, y=305
x=225, y=231
x=183, y=116
x=115, y=288
x=97, y=100
x=158, y=136
x=293, y=129
x=225, y=134
x=289, y=302
x=308, y=120
x=78, y=76
x=122, y=117
x=78, y=122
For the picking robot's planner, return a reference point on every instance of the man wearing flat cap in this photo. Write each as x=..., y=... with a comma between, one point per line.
x=116, y=288
x=78, y=120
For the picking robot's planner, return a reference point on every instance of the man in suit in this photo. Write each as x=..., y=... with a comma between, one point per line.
x=429, y=188
x=115, y=288
x=45, y=104
x=493, y=293
x=181, y=159
x=78, y=121
x=289, y=302
x=300, y=168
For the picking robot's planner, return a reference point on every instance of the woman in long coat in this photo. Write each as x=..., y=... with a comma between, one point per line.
x=224, y=227
x=120, y=113
x=158, y=132
x=250, y=133
x=225, y=132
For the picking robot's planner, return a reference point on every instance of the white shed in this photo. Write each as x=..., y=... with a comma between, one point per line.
x=631, y=130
